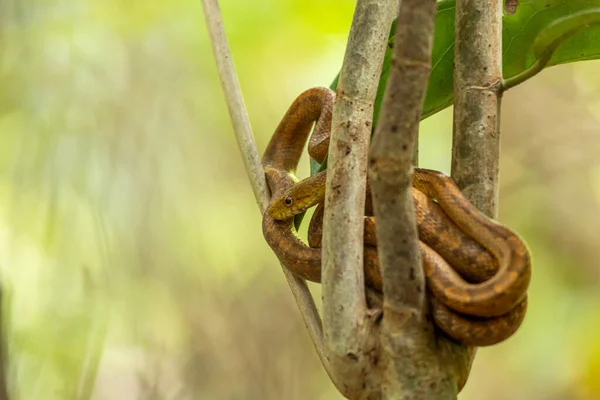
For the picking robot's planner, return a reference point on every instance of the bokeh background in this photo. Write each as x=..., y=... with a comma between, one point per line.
x=131, y=251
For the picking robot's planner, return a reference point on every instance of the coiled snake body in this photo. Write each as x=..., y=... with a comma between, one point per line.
x=477, y=270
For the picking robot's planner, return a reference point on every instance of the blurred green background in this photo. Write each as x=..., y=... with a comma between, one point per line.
x=131, y=248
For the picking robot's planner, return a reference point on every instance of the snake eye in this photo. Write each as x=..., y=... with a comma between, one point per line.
x=288, y=201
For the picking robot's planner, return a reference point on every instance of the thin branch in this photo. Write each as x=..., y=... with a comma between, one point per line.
x=416, y=364
x=344, y=306
x=391, y=159
x=235, y=102
x=477, y=99
x=477, y=74
x=254, y=169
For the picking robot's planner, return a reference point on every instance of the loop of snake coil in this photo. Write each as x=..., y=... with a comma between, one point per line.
x=477, y=270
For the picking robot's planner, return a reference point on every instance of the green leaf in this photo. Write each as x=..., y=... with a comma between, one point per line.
x=534, y=25
x=519, y=33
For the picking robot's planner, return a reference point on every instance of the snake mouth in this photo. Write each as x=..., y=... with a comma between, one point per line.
x=278, y=213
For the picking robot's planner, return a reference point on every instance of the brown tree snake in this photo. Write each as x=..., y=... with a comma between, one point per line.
x=477, y=270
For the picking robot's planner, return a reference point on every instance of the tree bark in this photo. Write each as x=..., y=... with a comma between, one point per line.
x=347, y=324
x=415, y=364
x=477, y=78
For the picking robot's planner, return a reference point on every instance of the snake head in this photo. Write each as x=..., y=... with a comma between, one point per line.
x=289, y=204
x=299, y=197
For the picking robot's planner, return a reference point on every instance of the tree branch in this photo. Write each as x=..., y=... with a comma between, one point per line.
x=391, y=159
x=344, y=306
x=477, y=99
x=254, y=169
x=416, y=364
x=477, y=74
